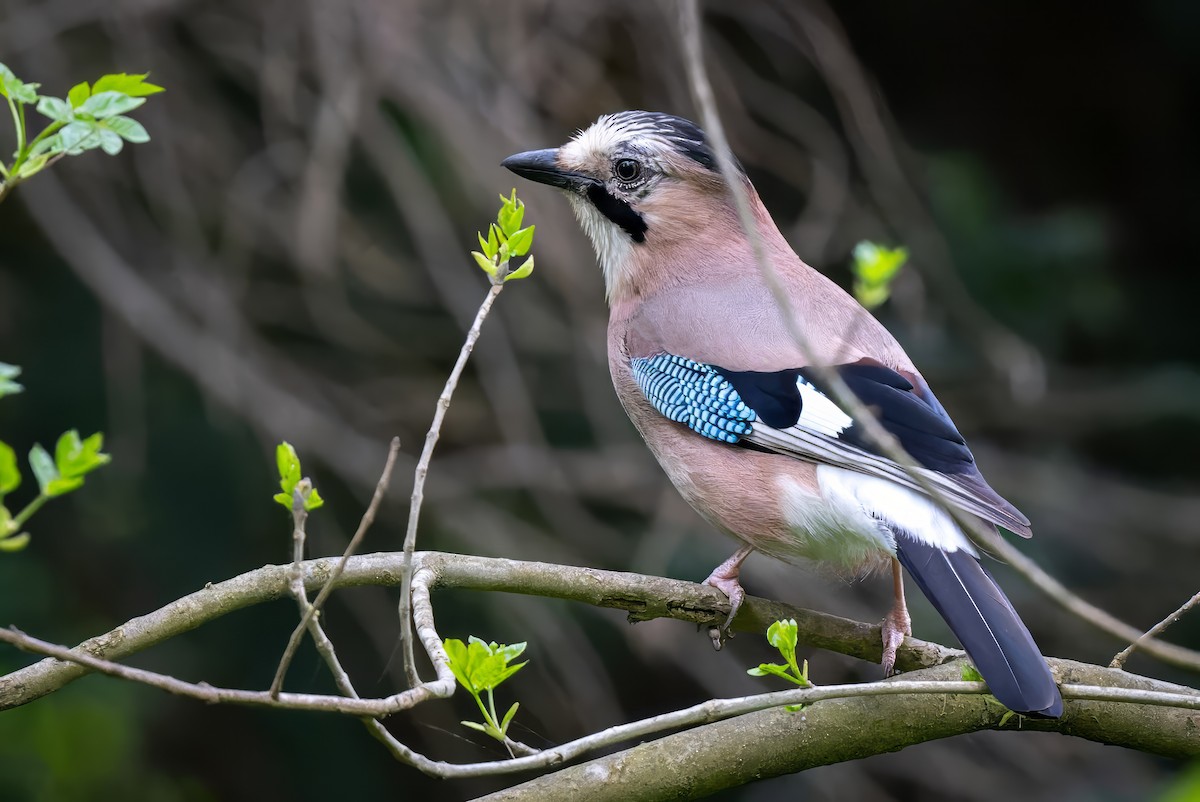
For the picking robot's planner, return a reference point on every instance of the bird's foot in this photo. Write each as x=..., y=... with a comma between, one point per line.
x=896, y=625
x=733, y=589
x=725, y=579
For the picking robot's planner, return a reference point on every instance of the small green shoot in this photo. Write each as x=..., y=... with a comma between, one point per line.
x=783, y=636
x=289, y=478
x=56, y=475
x=505, y=241
x=91, y=116
x=480, y=667
x=874, y=268
x=970, y=673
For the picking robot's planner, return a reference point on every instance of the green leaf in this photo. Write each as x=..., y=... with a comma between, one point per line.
x=313, y=501
x=498, y=677
x=132, y=85
x=458, y=654
x=783, y=635
x=15, y=543
x=521, y=272
x=521, y=241
x=14, y=87
x=508, y=717
x=288, y=464
x=512, y=212
x=7, y=374
x=62, y=485
x=75, y=458
x=970, y=674
x=46, y=148
x=102, y=105
x=78, y=94
x=484, y=263
x=78, y=136
x=480, y=666
x=770, y=669
x=128, y=129
x=6, y=522
x=43, y=467
x=476, y=726
x=110, y=142
x=33, y=165
x=10, y=473
x=55, y=109
x=1005, y=718
x=874, y=268
x=68, y=446
x=511, y=652
x=871, y=296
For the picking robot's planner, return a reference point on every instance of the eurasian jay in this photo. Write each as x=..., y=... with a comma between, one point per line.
x=731, y=407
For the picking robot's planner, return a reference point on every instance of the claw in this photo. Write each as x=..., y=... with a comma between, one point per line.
x=725, y=579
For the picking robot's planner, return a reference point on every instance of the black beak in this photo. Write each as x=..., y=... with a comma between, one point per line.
x=542, y=166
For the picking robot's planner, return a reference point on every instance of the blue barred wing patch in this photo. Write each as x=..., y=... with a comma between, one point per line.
x=695, y=395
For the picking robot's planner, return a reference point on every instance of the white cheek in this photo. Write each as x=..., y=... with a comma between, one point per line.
x=610, y=241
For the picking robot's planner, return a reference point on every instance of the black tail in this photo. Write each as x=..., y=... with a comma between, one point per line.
x=986, y=624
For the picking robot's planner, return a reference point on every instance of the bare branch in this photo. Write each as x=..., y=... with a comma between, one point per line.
x=1119, y=660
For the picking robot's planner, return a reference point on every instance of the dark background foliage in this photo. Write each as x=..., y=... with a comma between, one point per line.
x=288, y=259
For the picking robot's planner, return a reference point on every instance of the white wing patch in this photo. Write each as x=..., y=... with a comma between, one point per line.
x=818, y=413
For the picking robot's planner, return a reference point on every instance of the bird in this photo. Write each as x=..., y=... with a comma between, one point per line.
x=741, y=417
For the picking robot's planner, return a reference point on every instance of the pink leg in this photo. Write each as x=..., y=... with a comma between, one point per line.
x=725, y=579
x=897, y=623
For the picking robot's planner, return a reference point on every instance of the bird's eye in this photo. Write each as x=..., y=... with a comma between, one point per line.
x=627, y=169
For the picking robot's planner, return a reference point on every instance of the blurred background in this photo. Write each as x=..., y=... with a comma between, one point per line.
x=288, y=259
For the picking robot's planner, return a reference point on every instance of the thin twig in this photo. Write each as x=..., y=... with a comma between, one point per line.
x=422, y=470
x=296, y=580
x=1102, y=620
x=1119, y=660
x=364, y=524
x=308, y=613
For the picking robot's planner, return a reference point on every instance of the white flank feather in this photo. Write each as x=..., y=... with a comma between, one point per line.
x=884, y=500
